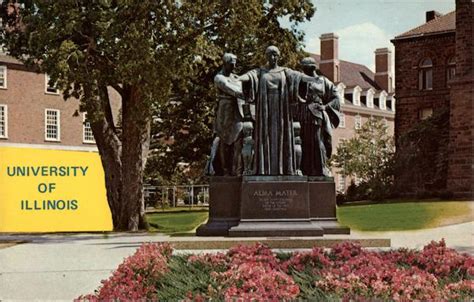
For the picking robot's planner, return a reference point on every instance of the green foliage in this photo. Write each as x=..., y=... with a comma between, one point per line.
x=368, y=156
x=421, y=161
x=158, y=59
x=182, y=278
x=183, y=128
x=413, y=215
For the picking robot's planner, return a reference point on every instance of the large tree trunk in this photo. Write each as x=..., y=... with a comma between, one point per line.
x=135, y=144
x=123, y=159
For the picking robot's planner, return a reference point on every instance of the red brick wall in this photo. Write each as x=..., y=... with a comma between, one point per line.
x=408, y=54
x=461, y=134
x=27, y=100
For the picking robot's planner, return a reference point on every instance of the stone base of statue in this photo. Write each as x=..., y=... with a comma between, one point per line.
x=322, y=203
x=271, y=206
x=287, y=206
x=224, y=206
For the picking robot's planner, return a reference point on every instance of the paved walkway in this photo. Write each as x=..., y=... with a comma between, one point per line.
x=62, y=267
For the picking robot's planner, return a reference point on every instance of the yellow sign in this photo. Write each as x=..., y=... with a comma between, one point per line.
x=52, y=191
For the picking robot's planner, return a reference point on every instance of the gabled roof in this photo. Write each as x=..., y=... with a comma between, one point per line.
x=442, y=24
x=353, y=74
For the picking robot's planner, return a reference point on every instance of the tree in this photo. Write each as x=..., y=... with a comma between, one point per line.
x=183, y=130
x=368, y=156
x=146, y=52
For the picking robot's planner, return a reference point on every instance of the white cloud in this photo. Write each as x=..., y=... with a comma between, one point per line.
x=357, y=43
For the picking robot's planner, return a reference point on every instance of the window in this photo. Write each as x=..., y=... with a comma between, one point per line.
x=3, y=121
x=341, y=183
x=356, y=96
x=370, y=98
x=52, y=131
x=340, y=90
x=425, y=75
x=425, y=113
x=383, y=100
x=342, y=118
x=3, y=77
x=358, y=122
x=450, y=70
x=87, y=135
x=50, y=87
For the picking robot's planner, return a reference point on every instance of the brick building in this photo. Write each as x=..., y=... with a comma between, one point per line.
x=433, y=68
x=34, y=114
x=365, y=94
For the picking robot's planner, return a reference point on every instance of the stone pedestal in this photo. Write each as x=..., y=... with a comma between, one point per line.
x=224, y=206
x=275, y=206
x=271, y=206
x=322, y=202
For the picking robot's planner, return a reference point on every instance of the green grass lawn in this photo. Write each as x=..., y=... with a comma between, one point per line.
x=177, y=223
x=396, y=216
x=404, y=216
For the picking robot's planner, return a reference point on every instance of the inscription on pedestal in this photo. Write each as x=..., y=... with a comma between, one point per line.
x=267, y=200
x=278, y=200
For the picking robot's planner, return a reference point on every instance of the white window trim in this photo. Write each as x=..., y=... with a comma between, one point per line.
x=356, y=118
x=383, y=100
x=5, y=108
x=340, y=89
x=355, y=95
x=46, y=138
x=46, y=76
x=369, y=100
x=84, y=140
x=342, y=117
x=5, y=72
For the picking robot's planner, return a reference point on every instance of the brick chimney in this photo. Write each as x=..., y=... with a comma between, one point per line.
x=431, y=15
x=383, y=69
x=329, y=65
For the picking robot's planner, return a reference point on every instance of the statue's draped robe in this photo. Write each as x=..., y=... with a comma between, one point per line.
x=316, y=127
x=227, y=124
x=274, y=92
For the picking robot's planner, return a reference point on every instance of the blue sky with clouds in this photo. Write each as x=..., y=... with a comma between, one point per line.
x=364, y=25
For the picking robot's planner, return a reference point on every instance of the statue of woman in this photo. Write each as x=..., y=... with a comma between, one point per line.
x=318, y=116
x=273, y=89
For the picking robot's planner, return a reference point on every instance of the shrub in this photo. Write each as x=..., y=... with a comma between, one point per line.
x=254, y=273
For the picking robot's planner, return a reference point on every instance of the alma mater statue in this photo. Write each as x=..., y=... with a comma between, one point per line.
x=270, y=205
x=283, y=98
x=273, y=89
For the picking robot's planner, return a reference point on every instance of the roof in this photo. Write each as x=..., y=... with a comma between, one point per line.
x=8, y=59
x=442, y=24
x=353, y=74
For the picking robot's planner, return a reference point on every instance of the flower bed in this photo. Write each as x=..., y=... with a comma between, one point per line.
x=254, y=273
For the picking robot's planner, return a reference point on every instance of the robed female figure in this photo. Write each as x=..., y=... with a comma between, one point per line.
x=274, y=90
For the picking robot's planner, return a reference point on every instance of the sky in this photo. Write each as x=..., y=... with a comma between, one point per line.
x=365, y=25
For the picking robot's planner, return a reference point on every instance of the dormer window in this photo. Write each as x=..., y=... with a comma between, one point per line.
x=369, y=98
x=383, y=100
x=425, y=75
x=356, y=92
x=341, y=90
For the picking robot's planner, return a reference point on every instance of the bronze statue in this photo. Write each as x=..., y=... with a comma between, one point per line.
x=273, y=89
x=226, y=157
x=318, y=116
